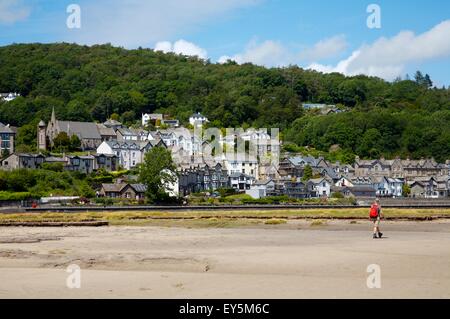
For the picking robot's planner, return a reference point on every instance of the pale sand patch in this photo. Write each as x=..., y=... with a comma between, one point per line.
x=285, y=261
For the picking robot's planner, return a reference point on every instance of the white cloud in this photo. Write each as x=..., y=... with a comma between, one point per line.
x=181, y=47
x=268, y=53
x=274, y=54
x=325, y=48
x=388, y=57
x=12, y=11
x=133, y=23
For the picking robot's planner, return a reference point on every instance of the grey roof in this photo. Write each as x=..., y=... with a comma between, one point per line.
x=5, y=129
x=237, y=175
x=84, y=130
x=312, y=161
x=317, y=180
x=110, y=123
x=113, y=187
x=105, y=131
x=127, y=132
x=197, y=115
x=360, y=188
x=53, y=159
x=140, y=188
x=330, y=172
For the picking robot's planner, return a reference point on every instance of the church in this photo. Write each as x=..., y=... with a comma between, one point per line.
x=89, y=133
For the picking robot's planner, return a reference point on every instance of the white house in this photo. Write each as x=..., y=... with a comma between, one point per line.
x=388, y=187
x=197, y=119
x=7, y=97
x=261, y=189
x=181, y=139
x=319, y=187
x=146, y=118
x=241, y=181
x=239, y=163
x=130, y=153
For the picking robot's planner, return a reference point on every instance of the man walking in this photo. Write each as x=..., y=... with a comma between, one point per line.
x=375, y=217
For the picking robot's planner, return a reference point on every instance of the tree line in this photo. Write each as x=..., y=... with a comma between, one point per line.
x=408, y=117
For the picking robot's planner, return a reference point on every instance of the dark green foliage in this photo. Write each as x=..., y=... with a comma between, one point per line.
x=157, y=172
x=44, y=182
x=93, y=83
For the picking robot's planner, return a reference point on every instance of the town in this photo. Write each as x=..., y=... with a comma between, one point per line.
x=111, y=146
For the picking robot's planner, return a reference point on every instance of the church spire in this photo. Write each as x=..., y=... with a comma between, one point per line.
x=53, y=119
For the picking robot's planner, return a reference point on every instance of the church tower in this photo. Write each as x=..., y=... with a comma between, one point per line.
x=42, y=136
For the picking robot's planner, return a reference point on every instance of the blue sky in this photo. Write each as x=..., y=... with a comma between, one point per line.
x=324, y=35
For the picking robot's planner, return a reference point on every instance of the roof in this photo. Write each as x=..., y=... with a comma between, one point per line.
x=312, y=161
x=113, y=187
x=237, y=175
x=360, y=188
x=84, y=130
x=197, y=115
x=139, y=188
x=317, y=180
x=5, y=129
x=111, y=122
x=105, y=131
x=54, y=159
x=117, y=188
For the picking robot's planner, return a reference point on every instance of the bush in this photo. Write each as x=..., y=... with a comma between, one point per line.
x=337, y=195
x=226, y=191
x=55, y=167
x=14, y=196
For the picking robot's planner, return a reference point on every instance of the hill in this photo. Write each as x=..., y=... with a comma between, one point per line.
x=405, y=118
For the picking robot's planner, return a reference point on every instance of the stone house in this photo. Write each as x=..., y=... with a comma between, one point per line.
x=20, y=160
x=124, y=191
x=7, y=136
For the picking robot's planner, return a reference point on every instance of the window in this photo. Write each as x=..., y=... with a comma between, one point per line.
x=5, y=144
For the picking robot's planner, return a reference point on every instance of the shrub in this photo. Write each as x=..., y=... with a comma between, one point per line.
x=14, y=196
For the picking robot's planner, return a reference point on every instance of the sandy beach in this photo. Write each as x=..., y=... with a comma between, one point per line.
x=295, y=260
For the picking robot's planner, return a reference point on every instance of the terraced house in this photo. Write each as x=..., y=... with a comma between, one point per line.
x=7, y=136
x=398, y=168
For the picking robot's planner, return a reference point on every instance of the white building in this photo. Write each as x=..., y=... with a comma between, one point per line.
x=130, y=153
x=146, y=118
x=197, y=119
x=319, y=187
x=388, y=187
x=7, y=97
x=239, y=163
x=181, y=139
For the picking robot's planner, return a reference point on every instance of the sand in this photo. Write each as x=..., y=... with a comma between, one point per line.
x=285, y=261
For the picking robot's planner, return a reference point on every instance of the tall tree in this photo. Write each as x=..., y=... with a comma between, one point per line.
x=157, y=172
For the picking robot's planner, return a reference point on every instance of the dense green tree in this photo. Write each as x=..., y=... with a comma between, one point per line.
x=62, y=142
x=91, y=83
x=307, y=173
x=157, y=172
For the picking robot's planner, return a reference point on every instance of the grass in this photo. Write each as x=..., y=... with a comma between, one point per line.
x=274, y=221
x=217, y=219
x=318, y=223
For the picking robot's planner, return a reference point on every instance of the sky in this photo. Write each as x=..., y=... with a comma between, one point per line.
x=382, y=38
